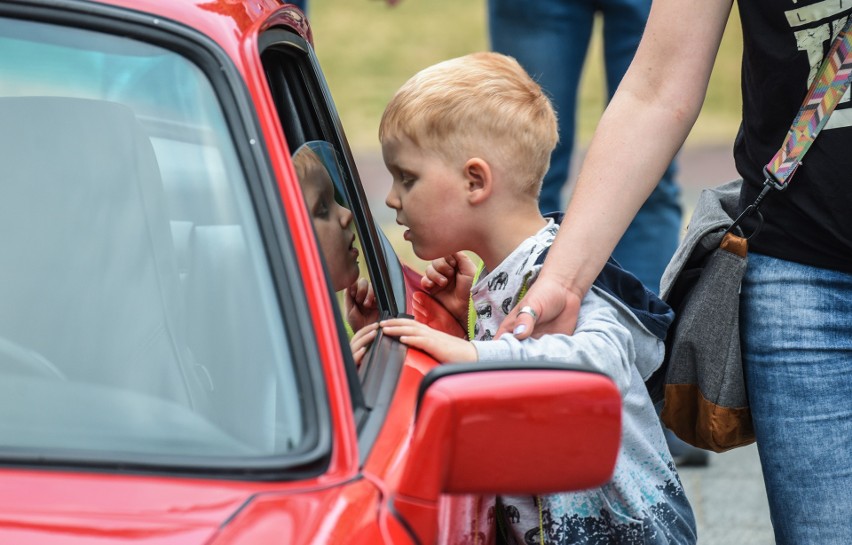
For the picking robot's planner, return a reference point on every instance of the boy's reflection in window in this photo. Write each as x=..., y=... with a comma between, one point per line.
x=332, y=223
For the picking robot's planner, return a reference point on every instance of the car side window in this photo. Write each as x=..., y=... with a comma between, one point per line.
x=326, y=178
x=311, y=127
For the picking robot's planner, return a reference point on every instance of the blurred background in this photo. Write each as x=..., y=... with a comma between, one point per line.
x=368, y=49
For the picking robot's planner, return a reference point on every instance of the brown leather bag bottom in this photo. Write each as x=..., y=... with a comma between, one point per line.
x=704, y=424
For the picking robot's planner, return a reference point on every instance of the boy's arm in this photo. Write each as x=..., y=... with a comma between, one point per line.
x=443, y=347
x=599, y=343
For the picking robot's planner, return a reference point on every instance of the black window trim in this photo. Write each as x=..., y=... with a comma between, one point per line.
x=373, y=387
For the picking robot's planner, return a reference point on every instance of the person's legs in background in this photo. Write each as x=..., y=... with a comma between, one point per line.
x=797, y=352
x=652, y=238
x=549, y=38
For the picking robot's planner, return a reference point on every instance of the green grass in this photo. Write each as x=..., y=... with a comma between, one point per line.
x=368, y=49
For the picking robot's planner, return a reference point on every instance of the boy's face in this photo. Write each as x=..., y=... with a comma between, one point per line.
x=331, y=223
x=429, y=197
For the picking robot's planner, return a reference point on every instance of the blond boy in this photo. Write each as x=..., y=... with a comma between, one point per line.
x=468, y=142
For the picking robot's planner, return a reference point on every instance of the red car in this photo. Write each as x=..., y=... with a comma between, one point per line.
x=174, y=365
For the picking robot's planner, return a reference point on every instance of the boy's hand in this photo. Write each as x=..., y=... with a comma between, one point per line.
x=441, y=346
x=362, y=340
x=449, y=280
x=360, y=303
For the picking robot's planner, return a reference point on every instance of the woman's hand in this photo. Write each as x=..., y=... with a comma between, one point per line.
x=555, y=306
x=439, y=345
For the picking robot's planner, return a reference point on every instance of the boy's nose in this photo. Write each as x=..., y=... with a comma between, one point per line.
x=391, y=201
x=345, y=217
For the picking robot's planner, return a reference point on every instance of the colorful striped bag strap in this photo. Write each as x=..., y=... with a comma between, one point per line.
x=826, y=90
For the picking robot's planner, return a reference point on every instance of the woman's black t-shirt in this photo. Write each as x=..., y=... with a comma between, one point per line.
x=784, y=42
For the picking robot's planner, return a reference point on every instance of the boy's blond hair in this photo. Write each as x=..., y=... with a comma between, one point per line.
x=482, y=104
x=307, y=163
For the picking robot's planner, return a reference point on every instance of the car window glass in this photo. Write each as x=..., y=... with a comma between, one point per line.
x=140, y=317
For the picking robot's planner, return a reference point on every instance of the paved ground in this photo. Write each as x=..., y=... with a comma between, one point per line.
x=729, y=500
x=728, y=496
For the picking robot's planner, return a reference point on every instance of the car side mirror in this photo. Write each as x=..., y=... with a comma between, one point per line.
x=471, y=418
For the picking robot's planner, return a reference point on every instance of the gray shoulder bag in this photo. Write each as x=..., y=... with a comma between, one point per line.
x=705, y=396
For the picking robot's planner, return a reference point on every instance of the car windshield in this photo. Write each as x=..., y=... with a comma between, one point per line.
x=139, y=320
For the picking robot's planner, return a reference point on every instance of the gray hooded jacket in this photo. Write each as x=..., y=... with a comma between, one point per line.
x=644, y=502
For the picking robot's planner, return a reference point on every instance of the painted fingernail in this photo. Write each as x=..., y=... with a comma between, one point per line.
x=520, y=329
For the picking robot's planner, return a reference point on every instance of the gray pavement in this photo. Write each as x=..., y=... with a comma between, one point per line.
x=727, y=496
x=729, y=500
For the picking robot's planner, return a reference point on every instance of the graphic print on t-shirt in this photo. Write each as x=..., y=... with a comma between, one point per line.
x=814, y=27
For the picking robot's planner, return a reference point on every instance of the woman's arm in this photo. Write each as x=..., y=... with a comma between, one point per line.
x=639, y=134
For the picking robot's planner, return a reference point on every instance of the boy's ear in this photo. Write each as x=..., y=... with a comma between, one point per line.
x=479, y=179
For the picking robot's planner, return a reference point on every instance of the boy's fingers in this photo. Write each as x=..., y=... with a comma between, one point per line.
x=439, y=273
x=363, y=289
x=356, y=290
x=437, y=277
x=416, y=341
x=399, y=330
x=363, y=342
x=443, y=267
x=358, y=355
x=369, y=329
x=466, y=265
x=431, y=278
x=393, y=326
x=426, y=283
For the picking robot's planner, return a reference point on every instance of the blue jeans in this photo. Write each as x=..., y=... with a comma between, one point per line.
x=796, y=329
x=550, y=39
